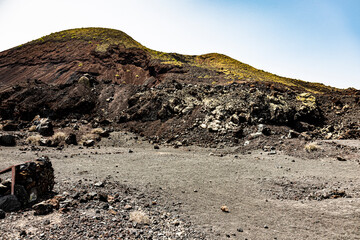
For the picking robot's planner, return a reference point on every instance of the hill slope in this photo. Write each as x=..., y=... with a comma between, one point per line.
x=59, y=57
x=102, y=77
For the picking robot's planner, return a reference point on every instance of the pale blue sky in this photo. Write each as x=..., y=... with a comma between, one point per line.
x=312, y=40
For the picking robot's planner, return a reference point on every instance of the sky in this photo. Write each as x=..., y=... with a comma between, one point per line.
x=311, y=40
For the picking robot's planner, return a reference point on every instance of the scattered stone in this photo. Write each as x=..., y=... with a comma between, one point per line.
x=46, y=222
x=127, y=207
x=240, y=230
x=266, y=226
x=342, y=159
x=45, y=142
x=23, y=233
x=266, y=131
x=43, y=208
x=272, y=152
x=176, y=222
x=89, y=143
x=156, y=147
x=131, y=151
x=99, y=184
x=293, y=134
x=225, y=209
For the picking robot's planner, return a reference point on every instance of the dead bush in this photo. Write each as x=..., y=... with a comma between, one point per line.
x=33, y=140
x=312, y=147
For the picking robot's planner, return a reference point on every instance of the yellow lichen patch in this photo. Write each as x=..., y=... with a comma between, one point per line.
x=102, y=35
x=102, y=48
x=306, y=99
x=84, y=81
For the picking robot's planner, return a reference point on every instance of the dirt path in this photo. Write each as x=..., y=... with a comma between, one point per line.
x=267, y=195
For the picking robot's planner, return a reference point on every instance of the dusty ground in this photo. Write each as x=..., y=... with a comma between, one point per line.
x=269, y=196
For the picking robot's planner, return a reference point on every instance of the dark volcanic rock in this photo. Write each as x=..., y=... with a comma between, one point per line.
x=43, y=208
x=9, y=203
x=71, y=139
x=7, y=140
x=45, y=127
x=2, y=214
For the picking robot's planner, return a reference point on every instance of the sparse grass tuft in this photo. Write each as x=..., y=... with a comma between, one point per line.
x=139, y=217
x=89, y=136
x=32, y=128
x=33, y=140
x=97, y=131
x=311, y=147
x=58, y=138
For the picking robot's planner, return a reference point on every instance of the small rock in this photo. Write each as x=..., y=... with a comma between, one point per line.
x=99, y=184
x=127, y=207
x=266, y=226
x=23, y=233
x=339, y=158
x=46, y=222
x=272, y=152
x=240, y=230
x=131, y=151
x=176, y=222
x=89, y=143
x=293, y=134
x=71, y=139
x=156, y=147
x=43, y=208
x=225, y=209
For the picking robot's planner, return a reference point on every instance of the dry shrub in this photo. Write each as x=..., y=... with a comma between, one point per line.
x=34, y=139
x=139, y=217
x=97, y=131
x=32, y=128
x=58, y=137
x=89, y=136
x=311, y=147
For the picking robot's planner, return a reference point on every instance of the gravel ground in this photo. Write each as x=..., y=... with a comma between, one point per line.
x=269, y=195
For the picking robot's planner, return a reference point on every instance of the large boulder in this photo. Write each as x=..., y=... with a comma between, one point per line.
x=7, y=140
x=9, y=203
x=45, y=127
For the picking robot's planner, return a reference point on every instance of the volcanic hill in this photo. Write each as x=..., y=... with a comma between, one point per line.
x=103, y=77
